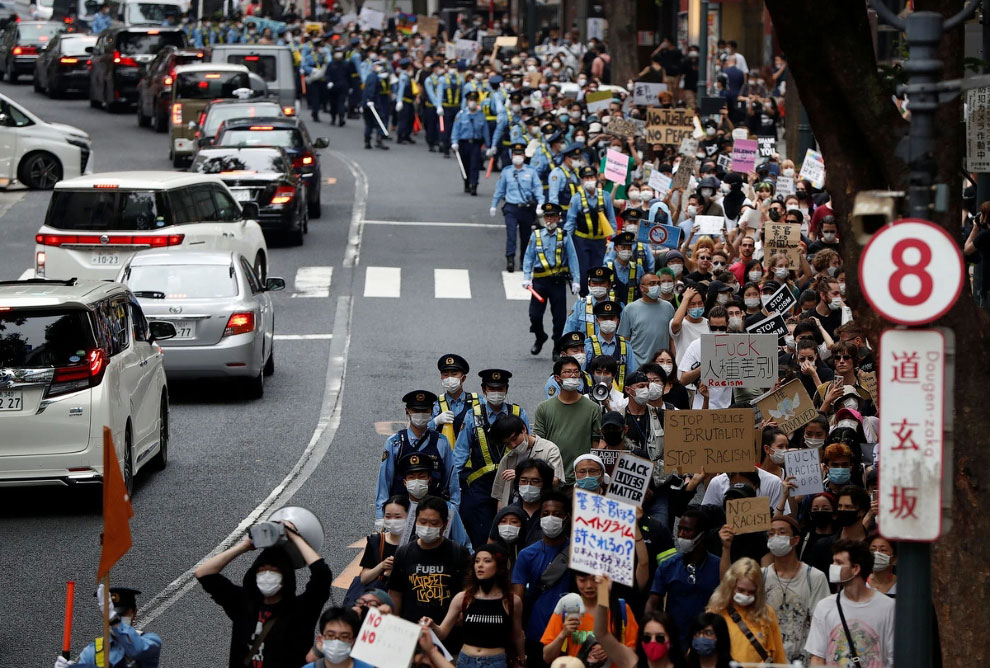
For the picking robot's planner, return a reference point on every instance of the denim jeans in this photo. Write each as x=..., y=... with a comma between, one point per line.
x=497, y=661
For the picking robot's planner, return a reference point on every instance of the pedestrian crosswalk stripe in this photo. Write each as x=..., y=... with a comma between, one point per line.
x=382, y=282
x=451, y=284
x=512, y=283
x=313, y=282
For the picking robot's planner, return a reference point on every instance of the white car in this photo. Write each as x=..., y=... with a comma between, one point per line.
x=76, y=356
x=37, y=153
x=96, y=223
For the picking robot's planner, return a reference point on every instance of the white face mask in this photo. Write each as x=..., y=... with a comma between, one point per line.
x=581, y=358
x=551, y=526
x=496, y=399
x=590, y=184
x=691, y=210
x=779, y=545
x=752, y=302
x=735, y=323
x=722, y=298
x=419, y=419
x=814, y=442
x=472, y=105
x=828, y=237
x=646, y=195
x=653, y=292
x=508, y=532
x=597, y=291
x=676, y=268
x=624, y=255
x=835, y=574
x=666, y=288
x=269, y=582
x=518, y=160
x=788, y=172
x=667, y=369
x=789, y=341
x=396, y=526
x=655, y=391
x=336, y=651
x=777, y=456
x=417, y=488
x=608, y=326
x=755, y=276
x=881, y=561
x=835, y=304
x=781, y=272
x=686, y=545
x=633, y=195
x=530, y=493
x=842, y=288
x=582, y=82
x=427, y=534
x=571, y=384
x=745, y=600
x=450, y=384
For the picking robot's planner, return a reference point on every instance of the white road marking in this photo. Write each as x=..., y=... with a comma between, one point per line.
x=313, y=282
x=28, y=273
x=303, y=337
x=512, y=283
x=427, y=223
x=383, y=282
x=451, y=284
x=352, y=255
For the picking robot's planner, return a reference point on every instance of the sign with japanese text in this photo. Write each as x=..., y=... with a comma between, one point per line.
x=767, y=146
x=813, y=168
x=781, y=301
x=748, y=515
x=645, y=92
x=789, y=406
x=667, y=236
x=630, y=478
x=806, y=468
x=772, y=324
x=744, y=155
x=738, y=360
x=668, y=126
x=912, y=392
x=783, y=238
x=603, y=536
x=717, y=440
x=597, y=101
x=978, y=130
x=616, y=165
x=385, y=640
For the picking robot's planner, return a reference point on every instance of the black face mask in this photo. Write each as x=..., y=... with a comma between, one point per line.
x=821, y=518
x=846, y=518
x=612, y=436
x=774, y=215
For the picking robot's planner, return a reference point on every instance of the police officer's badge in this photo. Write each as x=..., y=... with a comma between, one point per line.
x=414, y=460
x=496, y=376
x=551, y=391
x=384, y=455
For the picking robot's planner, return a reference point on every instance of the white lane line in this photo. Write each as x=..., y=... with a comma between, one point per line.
x=313, y=282
x=382, y=282
x=512, y=283
x=451, y=284
x=426, y=223
x=352, y=254
x=303, y=337
x=28, y=273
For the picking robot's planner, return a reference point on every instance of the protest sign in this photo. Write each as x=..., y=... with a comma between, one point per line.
x=616, y=165
x=724, y=161
x=386, y=640
x=682, y=177
x=805, y=465
x=768, y=146
x=710, y=225
x=868, y=379
x=645, y=93
x=621, y=127
x=781, y=301
x=597, y=101
x=313, y=28
x=608, y=457
x=738, y=360
x=748, y=515
x=630, y=478
x=603, y=536
x=744, y=155
x=718, y=440
x=783, y=238
x=371, y=19
x=785, y=186
x=813, y=168
x=506, y=41
x=689, y=146
x=405, y=23
x=789, y=406
x=466, y=50
x=772, y=324
x=427, y=25
x=667, y=236
x=668, y=126
x=660, y=182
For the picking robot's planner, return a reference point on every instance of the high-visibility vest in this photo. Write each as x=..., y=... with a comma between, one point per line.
x=571, y=186
x=557, y=269
x=480, y=449
x=452, y=93
x=452, y=430
x=596, y=348
x=592, y=228
x=633, y=283
x=589, y=313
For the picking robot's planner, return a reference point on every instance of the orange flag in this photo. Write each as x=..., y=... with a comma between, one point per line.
x=117, y=510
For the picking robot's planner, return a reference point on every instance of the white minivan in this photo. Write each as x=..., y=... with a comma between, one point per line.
x=96, y=223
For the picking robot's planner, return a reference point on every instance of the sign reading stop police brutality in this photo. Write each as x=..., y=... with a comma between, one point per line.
x=911, y=272
x=912, y=391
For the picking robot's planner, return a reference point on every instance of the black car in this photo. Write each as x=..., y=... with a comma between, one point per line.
x=118, y=58
x=289, y=134
x=21, y=43
x=265, y=176
x=64, y=65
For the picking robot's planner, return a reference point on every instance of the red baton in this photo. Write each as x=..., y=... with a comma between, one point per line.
x=491, y=163
x=70, y=593
x=536, y=295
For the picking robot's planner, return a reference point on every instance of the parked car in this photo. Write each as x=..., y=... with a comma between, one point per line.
x=63, y=65
x=37, y=153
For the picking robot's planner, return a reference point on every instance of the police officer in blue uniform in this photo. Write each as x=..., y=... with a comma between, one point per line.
x=641, y=252
x=337, y=80
x=570, y=344
x=477, y=454
x=626, y=271
x=492, y=104
x=313, y=60
x=547, y=152
x=416, y=438
x=548, y=267
x=405, y=110
x=432, y=106
x=470, y=133
x=582, y=316
x=520, y=185
x=449, y=97
x=509, y=129
x=585, y=224
x=377, y=95
x=353, y=56
x=129, y=648
x=563, y=181
x=455, y=403
x=608, y=343
x=411, y=469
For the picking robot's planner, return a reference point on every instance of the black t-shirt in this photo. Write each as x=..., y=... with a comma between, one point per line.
x=375, y=552
x=698, y=276
x=638, y=428
x=830, y=322
x=428, y=579
x=822, y=245
x=678, y=397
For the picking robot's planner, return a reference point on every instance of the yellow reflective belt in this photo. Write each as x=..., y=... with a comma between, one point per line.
x=448, y=429
x=632, y=280
x=479, y=426
x=596, y=348
x=589, y=317
x=98, y=656
x=541, y=254
x=593, y=230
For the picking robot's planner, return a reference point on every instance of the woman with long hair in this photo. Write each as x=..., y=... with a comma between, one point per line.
x=674, y=392
x=741, y=600
x=710, y=644
x=658, y=644
x=489, y=614
x=380, y=548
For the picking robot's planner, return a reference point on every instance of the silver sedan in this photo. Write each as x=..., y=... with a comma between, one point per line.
x=223, y=316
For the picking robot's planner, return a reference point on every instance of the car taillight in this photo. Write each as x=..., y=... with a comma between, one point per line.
x=123, y=61
x=25, y=50
x=68, y=61
x=289, y=111
x=154, y=241
x=168, y=81
x=88, y=373
x=39, y=264
x=239, y=323
x=305, y=160
x=283, y=195
x=177, y=114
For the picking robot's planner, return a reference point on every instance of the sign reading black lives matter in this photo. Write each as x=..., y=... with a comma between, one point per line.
x=716, y=440
x=630, y=478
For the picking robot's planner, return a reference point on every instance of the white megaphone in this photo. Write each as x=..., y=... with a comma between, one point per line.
x=270, y=532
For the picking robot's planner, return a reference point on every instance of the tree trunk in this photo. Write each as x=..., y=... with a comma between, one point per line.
x=621, y=17
x=830, y=56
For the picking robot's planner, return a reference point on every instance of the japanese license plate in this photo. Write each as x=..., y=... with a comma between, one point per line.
x=185, y=329
x=11, y=400
x=105, y=259
x=242, y=195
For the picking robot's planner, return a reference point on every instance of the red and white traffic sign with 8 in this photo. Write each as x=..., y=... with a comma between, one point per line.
x=911, y=272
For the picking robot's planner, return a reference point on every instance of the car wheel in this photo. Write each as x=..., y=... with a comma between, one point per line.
x=34, y=82
x=160, y=123
x=259, y=267
x=315, y=208
x=40, y=171
x=11, y=75
x=270, y=362
x=160, y=460
x=256, y=386
x=143, y=121
x=52, y=89
x=128, y=471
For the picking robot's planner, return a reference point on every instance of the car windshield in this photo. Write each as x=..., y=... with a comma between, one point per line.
x=209, y=85
x=139, y=43
x=37, y=33
x=97, y=210
x=150, y=12
x=255, y=160
x=264, y=66
x=44, y=338
x=77, y=45
x=286, y=138
x=183, y=281
x=219, y=114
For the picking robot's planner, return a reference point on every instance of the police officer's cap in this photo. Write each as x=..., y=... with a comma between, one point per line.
x=472, y=95
x=461, y=66
x=452, y=63
x=123, y=598
x=518, y=147
x=404, y=62
x=624, y=239
x=451, y=362
x=572, y=149
x=588, y=171
x=600, y=274
x=607, y=308
x=552, y=208
x=423, y=399
x=438, y=63
x=355, y=41
x=495, y=377
x=570, y=340
x=632, y=215
x=496, y=79
x=556, y=138
x=417, y=461
x=514, y=97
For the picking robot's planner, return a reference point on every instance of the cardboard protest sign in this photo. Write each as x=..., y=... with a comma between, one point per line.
x=603, y=536
x=371, y=19
x=668, y=236
x=718, y=440
x=738, y=360
x=682, y=177
x=427, y=26
x=768, y=146
x=781, y=301
x=868, y=379
x=630, y=478
x=597, y=101
x=385, y=640
x=668, y=126
x=748, y=515
x=783, y=238
x=785, y=186
x=660, y=182
x=744, y=155
x=645, y=93
x=789, y=406
x=621, y=127
x=689, y=146
x=813, y=168
x=724, y=161
x=506, y=41
x=616, y=166
x=772, y=324
x=710, y=225
x=608, y=457
x=805, y=465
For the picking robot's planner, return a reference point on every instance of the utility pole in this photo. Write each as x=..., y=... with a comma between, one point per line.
x=703, y=53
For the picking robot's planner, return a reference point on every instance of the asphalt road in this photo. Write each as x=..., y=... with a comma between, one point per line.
x=416, y=272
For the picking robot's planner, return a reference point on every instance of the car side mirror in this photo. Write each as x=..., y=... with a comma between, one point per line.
x=250, y=211
x=160, y=330
x=203, y=141
x=89, y=49
x=274, y=284
x=321, y=142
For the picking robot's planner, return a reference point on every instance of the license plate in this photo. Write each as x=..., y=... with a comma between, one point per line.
x=243, y=195
x=185, y=329
x=102, y=259
x=11, y=400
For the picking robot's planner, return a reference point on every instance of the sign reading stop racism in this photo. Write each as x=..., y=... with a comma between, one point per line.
x=911, y=272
